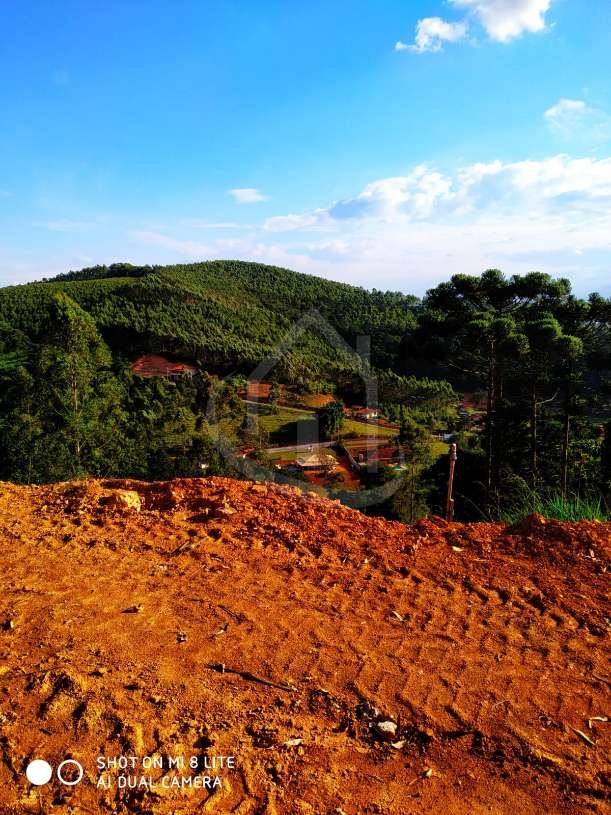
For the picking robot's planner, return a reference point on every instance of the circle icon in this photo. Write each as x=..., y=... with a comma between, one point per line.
x=39, y=772
x=79, y=769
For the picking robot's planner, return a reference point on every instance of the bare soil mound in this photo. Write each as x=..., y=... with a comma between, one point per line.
x=312, y=659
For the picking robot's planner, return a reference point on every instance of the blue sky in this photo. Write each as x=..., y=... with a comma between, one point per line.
x=385, y=143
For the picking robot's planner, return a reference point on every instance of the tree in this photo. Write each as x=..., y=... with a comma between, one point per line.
x=468, y=325
x=331, y=419
x=72, y=371
x=275, y=393
x=21, y=427
x=408, y=502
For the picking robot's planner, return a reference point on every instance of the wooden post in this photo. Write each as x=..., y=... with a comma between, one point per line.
x=450, y=501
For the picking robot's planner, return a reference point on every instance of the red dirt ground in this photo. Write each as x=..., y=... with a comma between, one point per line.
x=155, y=365
x=350, y=665
x=316, y=400
x=258, y=391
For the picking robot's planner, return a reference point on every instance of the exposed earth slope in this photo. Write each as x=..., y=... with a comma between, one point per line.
x=350, y=665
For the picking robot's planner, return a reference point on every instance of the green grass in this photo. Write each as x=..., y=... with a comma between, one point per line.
x=364, y=429
x=286, y=417
x=289, y=455
x=573, y=508
x=273, y=422
x=439, y=448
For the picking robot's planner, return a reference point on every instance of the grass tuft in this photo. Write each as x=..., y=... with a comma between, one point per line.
x=557, y=507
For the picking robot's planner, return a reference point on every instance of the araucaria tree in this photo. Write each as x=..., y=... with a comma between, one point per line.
x=523, y=340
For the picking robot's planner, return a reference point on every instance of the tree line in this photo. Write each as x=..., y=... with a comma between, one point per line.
x=543, y=358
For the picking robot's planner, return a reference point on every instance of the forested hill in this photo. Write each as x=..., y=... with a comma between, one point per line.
x=225, y=314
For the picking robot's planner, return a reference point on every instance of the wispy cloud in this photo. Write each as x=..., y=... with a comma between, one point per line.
x=66, y=225
x=317, y=219
x=184, y=248
x=248, y=247
x=198, y=223
x=247, y=195
x=573, y=120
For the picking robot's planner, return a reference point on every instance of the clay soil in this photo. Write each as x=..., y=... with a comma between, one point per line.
x=348, y=664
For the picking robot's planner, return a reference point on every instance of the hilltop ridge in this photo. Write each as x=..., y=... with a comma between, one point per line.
x=223, y=312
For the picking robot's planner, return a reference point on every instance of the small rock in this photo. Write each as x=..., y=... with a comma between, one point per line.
x=366, y=711
x=133, y=609
x=125, y=499
x=386, y=730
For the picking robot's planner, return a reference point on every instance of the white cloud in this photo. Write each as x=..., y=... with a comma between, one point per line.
x=5, y=194
x=428, y=224
x=317, y=219
x=573, y=120
x=504, y=20
x=565, y=109
x=247, y=195
x=549, y=185
x=432, y=32
x=329, y=250
x=417, y=193
x=184, y=248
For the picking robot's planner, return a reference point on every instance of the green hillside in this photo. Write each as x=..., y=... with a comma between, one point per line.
x=70, y=405
x=226, y=314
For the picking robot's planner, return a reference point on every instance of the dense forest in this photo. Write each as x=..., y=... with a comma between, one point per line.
x=538, y=357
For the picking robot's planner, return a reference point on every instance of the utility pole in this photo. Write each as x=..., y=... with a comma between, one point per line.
x=450, y=499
